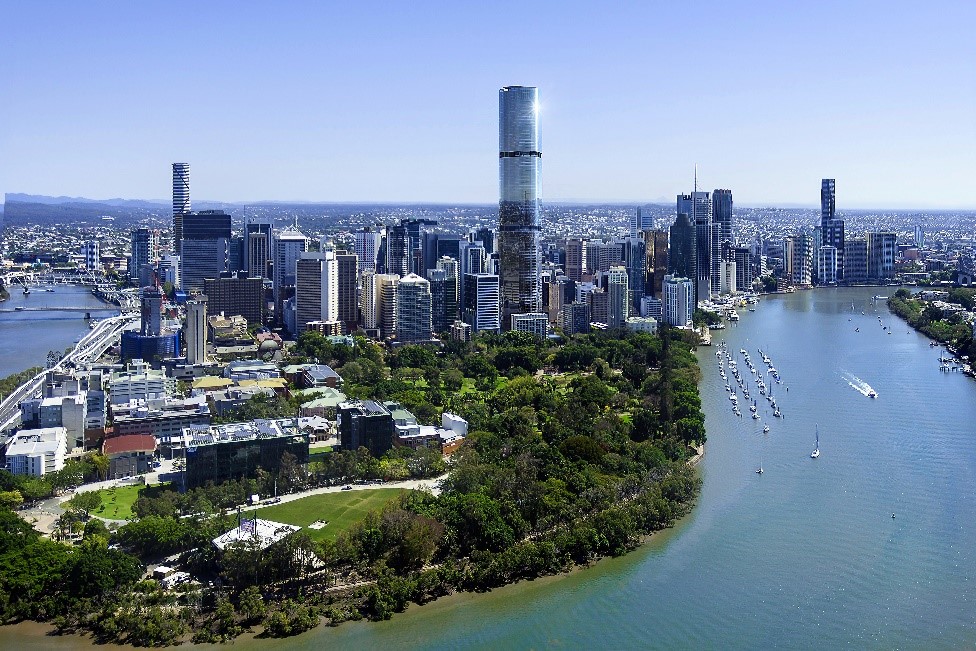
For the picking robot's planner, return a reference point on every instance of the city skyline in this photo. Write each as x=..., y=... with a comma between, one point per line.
x=329, y=104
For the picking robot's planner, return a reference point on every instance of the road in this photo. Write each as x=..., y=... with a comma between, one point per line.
x=92, y=346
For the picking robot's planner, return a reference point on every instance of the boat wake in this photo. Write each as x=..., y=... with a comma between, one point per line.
x=859, y=385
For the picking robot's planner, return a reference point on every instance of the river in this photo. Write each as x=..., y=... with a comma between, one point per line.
x=805, y=556
x=27, y=336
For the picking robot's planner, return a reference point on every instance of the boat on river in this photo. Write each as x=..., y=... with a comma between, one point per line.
x=816, y=450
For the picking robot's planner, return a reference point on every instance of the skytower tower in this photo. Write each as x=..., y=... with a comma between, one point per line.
x=519, y=158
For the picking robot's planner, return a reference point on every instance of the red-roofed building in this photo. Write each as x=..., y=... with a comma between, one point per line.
x=129, y=455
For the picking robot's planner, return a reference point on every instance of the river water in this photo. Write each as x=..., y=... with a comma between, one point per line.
x=805, y=556
x=27, y=336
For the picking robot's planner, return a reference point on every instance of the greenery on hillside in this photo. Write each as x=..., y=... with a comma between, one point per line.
x=948, y=328
x=575, y=451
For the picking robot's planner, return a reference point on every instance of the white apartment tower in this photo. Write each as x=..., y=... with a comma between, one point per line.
x=196, y=330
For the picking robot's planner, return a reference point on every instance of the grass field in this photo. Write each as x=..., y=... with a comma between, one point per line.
x=117, y=502
x=341, y=510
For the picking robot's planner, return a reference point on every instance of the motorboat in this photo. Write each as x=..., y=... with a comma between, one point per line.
x=765, y=429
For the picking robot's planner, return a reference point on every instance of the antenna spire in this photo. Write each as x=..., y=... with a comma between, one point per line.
x=696, y=177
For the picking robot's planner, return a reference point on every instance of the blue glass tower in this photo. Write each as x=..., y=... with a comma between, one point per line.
x=519, y=158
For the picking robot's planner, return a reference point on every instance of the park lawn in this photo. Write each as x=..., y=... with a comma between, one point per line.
x=342, y=510
x=117, y=502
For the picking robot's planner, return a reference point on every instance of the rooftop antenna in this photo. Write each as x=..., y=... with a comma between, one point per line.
x=696, y=177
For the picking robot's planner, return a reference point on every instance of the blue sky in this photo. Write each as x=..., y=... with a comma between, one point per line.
x=397, y=101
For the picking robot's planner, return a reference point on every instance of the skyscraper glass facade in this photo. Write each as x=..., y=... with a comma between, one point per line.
x=519, y=157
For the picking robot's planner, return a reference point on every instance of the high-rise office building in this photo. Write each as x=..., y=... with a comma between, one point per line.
x=316, y=289
x=289, y=244
x=635, y=260
x=575, y=258
x=367, y=248
x=92, y=255
x=452, y=288
x=413, y=309
x=698, y=206
x=367, y=300
x=827, y=265
x=721, y=243
x=881, y=249
x=347, y=269
x=800, y=265
x=397, y=250
x=386, y=303
x=722, y=214
x=169, y=270
x=519, y=157
x=145, y=251
x=484, y=235
x=656, y=261
x=196, y=330
x=481, y=302
x=855, y=261
x=439, y=320
x=151, y=302
x=618, y=297
x=236, y=295
x=743, y=268
x=205, y=249
x=257, y=247
x=640, y=221
x=682, y=251
x=574, y=318
x=831, y=228
x=181, y=201
x=679, y=301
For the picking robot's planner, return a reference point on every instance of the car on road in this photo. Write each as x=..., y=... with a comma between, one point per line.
x=347, y=487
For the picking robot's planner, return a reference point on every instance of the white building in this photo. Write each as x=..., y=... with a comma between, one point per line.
x=827, y=265
x=367, y=248
x=288, y=245
x=642, y=324
x=196, y=330
x=727, y=277
x=37, y=452
x=169, y=270
x=482, y=309
x=535, y=322
x=140, y=383
x=679, y=301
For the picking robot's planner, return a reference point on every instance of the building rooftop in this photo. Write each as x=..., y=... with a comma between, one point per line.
x=263, y=532
x=129, y=443
x=36, y=441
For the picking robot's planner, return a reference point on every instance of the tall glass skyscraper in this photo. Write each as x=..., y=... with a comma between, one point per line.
x=181, y=201
x=519, y=158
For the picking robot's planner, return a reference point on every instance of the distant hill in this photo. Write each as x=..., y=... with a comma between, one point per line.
x=122, y=203
x=27, y=209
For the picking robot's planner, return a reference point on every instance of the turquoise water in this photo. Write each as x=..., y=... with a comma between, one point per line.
x=804, y=556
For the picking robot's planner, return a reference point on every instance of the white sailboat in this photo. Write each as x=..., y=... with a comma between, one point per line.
x=816, y=450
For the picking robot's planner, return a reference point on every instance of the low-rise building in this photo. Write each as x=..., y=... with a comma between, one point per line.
x=129, y=455
x=365, y=423
x=320, y=375
x=642, y=324
x=220, y=453
x=139, y=382
x=37, y=452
